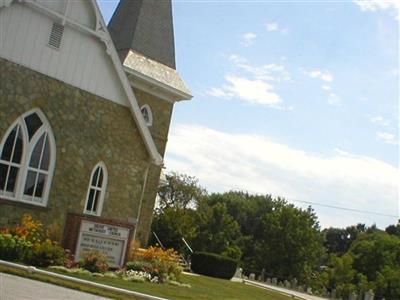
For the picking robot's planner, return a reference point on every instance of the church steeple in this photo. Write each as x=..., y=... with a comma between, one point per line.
x=144, y=26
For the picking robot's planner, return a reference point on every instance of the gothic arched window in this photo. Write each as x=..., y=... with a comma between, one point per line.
x=147, y=114
x=27, y=159
x=97, y=190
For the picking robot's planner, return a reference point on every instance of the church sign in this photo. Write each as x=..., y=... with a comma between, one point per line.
x=108, y=239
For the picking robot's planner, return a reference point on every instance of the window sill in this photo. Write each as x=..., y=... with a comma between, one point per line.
x=23, y=204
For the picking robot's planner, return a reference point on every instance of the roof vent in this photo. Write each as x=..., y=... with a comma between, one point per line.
x=56, y=35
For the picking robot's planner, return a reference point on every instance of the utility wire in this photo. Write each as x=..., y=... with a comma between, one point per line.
x=324, y=205
x=344, y=208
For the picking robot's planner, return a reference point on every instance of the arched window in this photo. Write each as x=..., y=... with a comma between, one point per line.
x=27, y=159
x=147, y=114
x=97, y=190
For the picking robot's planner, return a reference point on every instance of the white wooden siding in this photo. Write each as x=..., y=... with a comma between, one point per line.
x=81, y=61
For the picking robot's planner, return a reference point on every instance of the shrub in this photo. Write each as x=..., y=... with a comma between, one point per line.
x=213, y=265
x=163, y=264
x=13, y=247
x=46, y=253
x=94, y=261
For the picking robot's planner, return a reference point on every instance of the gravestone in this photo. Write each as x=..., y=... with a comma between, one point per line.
x=287, y=284
x=252, y=276
x=294, y=283
x=309, y=291
x=268, y=281
x=262, y=275
x=238, y=273
x=369, y=295
x=280, y=284
x=333, y=294
x=353, y=296
x=274, y=281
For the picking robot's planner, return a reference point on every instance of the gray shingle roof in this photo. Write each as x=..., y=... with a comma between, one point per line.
x=145, y=26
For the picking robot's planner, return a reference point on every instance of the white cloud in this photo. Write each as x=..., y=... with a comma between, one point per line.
x=253, y=85
x=387, y=137
x=375, y=5
x=224, y=161
x=326, y=87
x=248, y=38
x=266, y=72
x=324, y=75
x=333, y=99
x=379, y=120
x=253, y=91
x=273, y=26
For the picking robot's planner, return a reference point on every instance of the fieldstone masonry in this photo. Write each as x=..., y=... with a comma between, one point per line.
x=87, y=129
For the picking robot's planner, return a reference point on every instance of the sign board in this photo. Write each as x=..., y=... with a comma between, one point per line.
x=108, y=239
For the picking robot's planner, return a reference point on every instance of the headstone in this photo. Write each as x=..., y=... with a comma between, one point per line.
x=287, y=284
x=274, y=281
x=239, y=272
x=309, y=291
x=333, y=294
x=369, y=295
x=353, y=296
x=300, y=288
x=294, y=283
x=268, y=281
x=280, y=284
x=252, y=276
x=324, y=292
x=262, y=275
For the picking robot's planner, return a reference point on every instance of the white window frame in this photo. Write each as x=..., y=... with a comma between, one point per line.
x=149, y=112
x=28, y=147
x=101, y=189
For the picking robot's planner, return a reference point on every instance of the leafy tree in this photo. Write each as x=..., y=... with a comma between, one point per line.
x=282, y=239
x=181, y=192
x=372, y=252
x=339, y=240
x=218, y=232
x=393, y=229
x=173, y=224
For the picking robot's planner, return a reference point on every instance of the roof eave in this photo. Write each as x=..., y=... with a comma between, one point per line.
x=177, y=95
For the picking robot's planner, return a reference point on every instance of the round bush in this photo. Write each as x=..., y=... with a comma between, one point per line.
x=213, y=265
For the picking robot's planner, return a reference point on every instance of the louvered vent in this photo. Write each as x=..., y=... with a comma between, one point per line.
x=56, y=35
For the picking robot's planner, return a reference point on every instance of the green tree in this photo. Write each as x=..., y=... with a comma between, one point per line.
x=282, y=239
x=393, y=229
x=339, y=240
x=218, y=232
x=181, y=192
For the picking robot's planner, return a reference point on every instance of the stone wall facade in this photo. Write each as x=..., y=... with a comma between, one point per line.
x=87, y=129
x=162, y=113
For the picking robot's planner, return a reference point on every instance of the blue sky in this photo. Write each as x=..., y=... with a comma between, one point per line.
x=297, y=99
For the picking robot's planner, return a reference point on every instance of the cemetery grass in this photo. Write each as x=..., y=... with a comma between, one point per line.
x=202, y=287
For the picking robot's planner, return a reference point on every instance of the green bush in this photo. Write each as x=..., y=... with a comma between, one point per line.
x=46, y=253
x=213, y=265
x=94, y=261
x=13, y=247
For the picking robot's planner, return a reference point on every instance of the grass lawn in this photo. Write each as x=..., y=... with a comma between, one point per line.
x=202, y=287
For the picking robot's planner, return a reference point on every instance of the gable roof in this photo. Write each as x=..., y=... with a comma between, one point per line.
x=59, y=11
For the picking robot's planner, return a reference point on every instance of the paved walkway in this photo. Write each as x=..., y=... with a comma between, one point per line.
x=283, y=290
x=19, y=288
